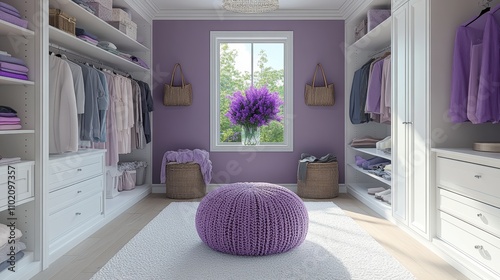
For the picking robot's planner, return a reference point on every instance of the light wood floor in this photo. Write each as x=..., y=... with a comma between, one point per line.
x=90, y=255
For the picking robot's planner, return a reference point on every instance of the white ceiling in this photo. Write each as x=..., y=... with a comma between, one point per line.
x=212, y=9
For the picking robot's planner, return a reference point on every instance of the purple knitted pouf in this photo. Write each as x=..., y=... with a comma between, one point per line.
x=252, y=219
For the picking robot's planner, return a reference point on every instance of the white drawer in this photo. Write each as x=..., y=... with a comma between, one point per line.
x=72, y=169
x=477, y=244
x=473, y=180
x=67, y=196
x=22, y=181
x=70, y=218
x=481, y=215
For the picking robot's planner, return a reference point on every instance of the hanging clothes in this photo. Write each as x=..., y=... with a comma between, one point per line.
x=147, y=108
x=385, y=92
x=472, y=98
x=488, y=97
x=357, y=100
x=91, y=126
x=63, y=120
x=138, y=138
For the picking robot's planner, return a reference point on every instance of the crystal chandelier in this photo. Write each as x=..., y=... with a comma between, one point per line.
x=250, y=6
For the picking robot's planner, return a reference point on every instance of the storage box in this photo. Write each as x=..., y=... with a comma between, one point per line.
x=127, y=27
x=120, y=15
x=140, y=176
x=113, y=182
x=376, y=17
x=360, y=30
x=62, y=21
x=108, y=4
x=184, y=180
x=101, y=11
x=322, y=181
x=128, y=180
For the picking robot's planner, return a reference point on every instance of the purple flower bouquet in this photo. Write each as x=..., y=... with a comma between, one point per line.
x=256, y=108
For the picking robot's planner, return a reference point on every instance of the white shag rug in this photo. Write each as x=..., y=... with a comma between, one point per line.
x=335, y=248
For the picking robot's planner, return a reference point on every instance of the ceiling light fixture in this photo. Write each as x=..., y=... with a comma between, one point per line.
x=250, y=6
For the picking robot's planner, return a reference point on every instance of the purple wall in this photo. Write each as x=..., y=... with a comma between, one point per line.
x=317, y=130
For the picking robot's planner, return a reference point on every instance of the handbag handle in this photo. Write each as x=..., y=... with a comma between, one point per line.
x=173, y=74
x=322, y=72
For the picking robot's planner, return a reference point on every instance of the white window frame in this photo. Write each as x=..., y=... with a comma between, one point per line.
x=218, y=37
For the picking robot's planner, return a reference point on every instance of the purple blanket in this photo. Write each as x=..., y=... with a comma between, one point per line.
x=12, y=66
x=184, y=156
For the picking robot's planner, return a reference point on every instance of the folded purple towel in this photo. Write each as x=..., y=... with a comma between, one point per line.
x=11, y=59
x=10, y=12
x=13, y=19
x=8, y=7
x=13, y=71
x=14, y=67
x=13, y=75
x=10, y=126
x=9, y=119
x=9, y=115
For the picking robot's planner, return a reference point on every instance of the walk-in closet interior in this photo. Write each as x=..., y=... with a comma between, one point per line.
x=432, y=111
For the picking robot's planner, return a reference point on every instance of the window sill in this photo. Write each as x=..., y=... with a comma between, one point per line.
x=245, y=149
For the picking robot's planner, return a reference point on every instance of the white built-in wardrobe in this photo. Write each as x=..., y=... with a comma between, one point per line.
x=60, y=199
x=443, y=192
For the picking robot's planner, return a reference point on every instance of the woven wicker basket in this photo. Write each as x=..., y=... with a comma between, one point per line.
x=184, y=180
x=62, y=21
x=322, y=181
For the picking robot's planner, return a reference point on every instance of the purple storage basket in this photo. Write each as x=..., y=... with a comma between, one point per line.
x=376, y=17
x=101, y=11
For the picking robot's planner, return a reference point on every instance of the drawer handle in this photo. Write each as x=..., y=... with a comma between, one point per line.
x=79, y=170
x=479, y=247
x=79, y=192
x=78, y=213
x=478, y=176
x=479, y=215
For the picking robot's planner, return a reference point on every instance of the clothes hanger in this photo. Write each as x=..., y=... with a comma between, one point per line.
x=484, y=11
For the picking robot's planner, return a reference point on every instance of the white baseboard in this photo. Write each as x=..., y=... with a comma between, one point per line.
x=160, y=188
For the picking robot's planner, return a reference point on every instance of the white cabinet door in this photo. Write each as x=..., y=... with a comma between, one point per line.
x=410, y=98
x=399, y=111
x=417, y=170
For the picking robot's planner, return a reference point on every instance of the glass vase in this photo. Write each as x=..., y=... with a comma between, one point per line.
x=250, y=135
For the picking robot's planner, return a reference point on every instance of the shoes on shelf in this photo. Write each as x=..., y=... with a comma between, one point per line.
x=372, y=191
x=387, y=198
x=382, y=193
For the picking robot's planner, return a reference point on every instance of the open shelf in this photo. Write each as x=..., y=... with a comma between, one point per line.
x=98, y=27
x=11, y=81
x=374, y=152
x=118, y=204
x=16, y=131
x=72, y=43
x=360, y=191
x=9, y=29
x=376, y=39
x=26, y=268
x=387, y=182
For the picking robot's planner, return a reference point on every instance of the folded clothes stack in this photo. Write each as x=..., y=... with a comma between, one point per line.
x=9, y=119
x=84, y=5
x=12, y=67
x=375, y=165
x=10, y=244
x=86, y=36
x=366, y=142
x=11, y=14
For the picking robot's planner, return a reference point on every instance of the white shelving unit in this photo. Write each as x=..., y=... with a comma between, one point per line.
x=72, y=43
x=9, y=29
x=81, y=50
x=374, y=152
x=358, y=53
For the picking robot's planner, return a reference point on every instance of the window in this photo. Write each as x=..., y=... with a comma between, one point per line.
x=239, y=60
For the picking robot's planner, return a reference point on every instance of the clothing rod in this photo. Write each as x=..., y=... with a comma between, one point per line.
x=382, y=51
x=87, y=59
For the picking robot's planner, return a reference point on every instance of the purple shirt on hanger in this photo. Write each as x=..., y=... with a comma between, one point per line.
x=466, y=36
x=489, y=83
x=374, y=88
